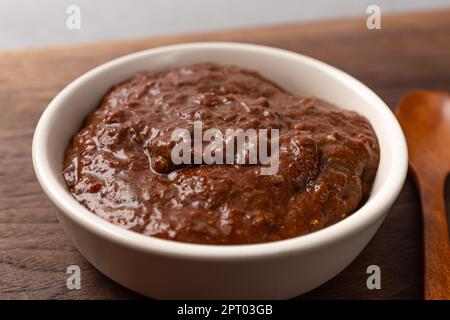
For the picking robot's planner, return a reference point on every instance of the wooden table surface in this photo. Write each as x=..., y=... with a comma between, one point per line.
x=410, y=51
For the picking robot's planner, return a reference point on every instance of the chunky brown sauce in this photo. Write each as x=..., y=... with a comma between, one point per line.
x=118, y=164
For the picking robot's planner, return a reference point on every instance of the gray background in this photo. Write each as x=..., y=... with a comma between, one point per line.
x=32, y=23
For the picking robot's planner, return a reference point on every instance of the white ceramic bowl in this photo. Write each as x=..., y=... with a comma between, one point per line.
x=167, y=269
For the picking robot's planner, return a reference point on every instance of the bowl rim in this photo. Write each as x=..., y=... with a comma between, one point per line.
x=373, y=210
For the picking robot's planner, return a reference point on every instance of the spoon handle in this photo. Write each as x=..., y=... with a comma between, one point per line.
x=435, y=239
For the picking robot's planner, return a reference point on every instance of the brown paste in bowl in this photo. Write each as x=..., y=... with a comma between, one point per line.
x=119, y=167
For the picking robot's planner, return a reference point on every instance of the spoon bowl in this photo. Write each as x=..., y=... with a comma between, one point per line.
x=425, y=119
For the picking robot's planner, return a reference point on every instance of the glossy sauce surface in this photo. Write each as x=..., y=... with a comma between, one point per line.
x=119, y=166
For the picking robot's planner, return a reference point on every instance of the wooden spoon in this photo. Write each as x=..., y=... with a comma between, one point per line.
x=425, y=119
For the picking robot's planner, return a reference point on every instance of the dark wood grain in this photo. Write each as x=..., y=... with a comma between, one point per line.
x=410, y=51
